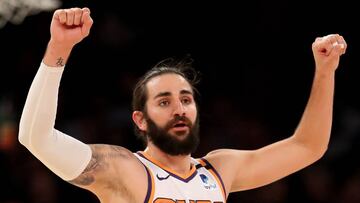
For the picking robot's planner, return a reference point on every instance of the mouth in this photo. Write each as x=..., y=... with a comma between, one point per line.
x=180, y=126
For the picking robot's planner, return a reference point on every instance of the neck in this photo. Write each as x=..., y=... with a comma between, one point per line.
x=180, y=163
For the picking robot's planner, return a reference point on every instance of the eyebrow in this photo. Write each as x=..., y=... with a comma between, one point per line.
x=164, y=94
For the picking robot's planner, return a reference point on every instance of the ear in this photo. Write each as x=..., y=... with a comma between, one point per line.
x=139, y=120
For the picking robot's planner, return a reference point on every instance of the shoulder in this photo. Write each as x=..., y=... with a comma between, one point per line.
x=227, y=163
x=108, y=164
x=113, y=169
x=115, y=158
x=224, y=155
x=222, y=159
x=105, y=151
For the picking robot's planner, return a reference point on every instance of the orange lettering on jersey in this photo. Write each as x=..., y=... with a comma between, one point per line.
x=167, y=200
x=164, y=200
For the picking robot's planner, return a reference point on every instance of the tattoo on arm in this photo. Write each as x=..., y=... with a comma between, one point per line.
x=87, y=177
x=102, y=156
x=60, y=61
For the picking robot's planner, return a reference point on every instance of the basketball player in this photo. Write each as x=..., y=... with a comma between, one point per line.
x=165, y=115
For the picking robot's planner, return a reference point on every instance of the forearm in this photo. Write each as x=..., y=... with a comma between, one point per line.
x=56, y=54
x=38, y=116
x=315, y=126
x=64, y=155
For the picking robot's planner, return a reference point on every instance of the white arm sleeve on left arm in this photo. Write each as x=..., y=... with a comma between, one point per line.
x=62, y=154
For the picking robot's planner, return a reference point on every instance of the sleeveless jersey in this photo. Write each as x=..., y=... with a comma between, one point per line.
x=202, y=185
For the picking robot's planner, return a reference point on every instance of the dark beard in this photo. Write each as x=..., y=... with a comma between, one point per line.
x=169, y=143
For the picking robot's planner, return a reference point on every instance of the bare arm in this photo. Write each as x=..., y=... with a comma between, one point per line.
x=101, y=166
x=243, y=170
x=113, y=170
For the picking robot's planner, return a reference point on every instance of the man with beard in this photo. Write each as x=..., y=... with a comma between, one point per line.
x=166, y=118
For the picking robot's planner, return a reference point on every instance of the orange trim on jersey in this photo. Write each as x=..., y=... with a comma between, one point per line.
x=152, y=186
x=219, y=183
x=213, y=172
x=201, y=162
x=154, y=161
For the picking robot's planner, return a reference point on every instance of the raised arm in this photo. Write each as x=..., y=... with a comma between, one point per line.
x=243, y=170
x=110, y=172
x=64, y=155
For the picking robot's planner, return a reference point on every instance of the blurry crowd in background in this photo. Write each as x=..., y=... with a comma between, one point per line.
x=256, y=71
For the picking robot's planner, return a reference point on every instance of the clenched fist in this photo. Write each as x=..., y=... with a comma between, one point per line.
x=327, y=51
x=70, y=26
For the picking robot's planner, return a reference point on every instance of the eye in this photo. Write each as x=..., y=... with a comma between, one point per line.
x=164, y=103
x=186, y=100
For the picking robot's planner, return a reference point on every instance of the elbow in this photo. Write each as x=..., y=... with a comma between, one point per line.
x=23, y=135
x=323, y=150
x=32, y=134
x=315, y=149
x=22, y=139
x=25, y=132
x=30, y=138
x=21, y=132
x=319, y=153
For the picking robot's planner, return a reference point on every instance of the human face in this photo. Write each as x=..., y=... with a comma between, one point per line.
x=169, y=144
x=170, y=97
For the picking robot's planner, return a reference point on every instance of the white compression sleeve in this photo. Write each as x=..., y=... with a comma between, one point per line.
x=62, y=154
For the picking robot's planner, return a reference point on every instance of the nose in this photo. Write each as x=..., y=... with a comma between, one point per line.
x=179, y=109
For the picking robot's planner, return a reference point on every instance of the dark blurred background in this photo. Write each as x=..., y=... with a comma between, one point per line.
x=256, y=64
